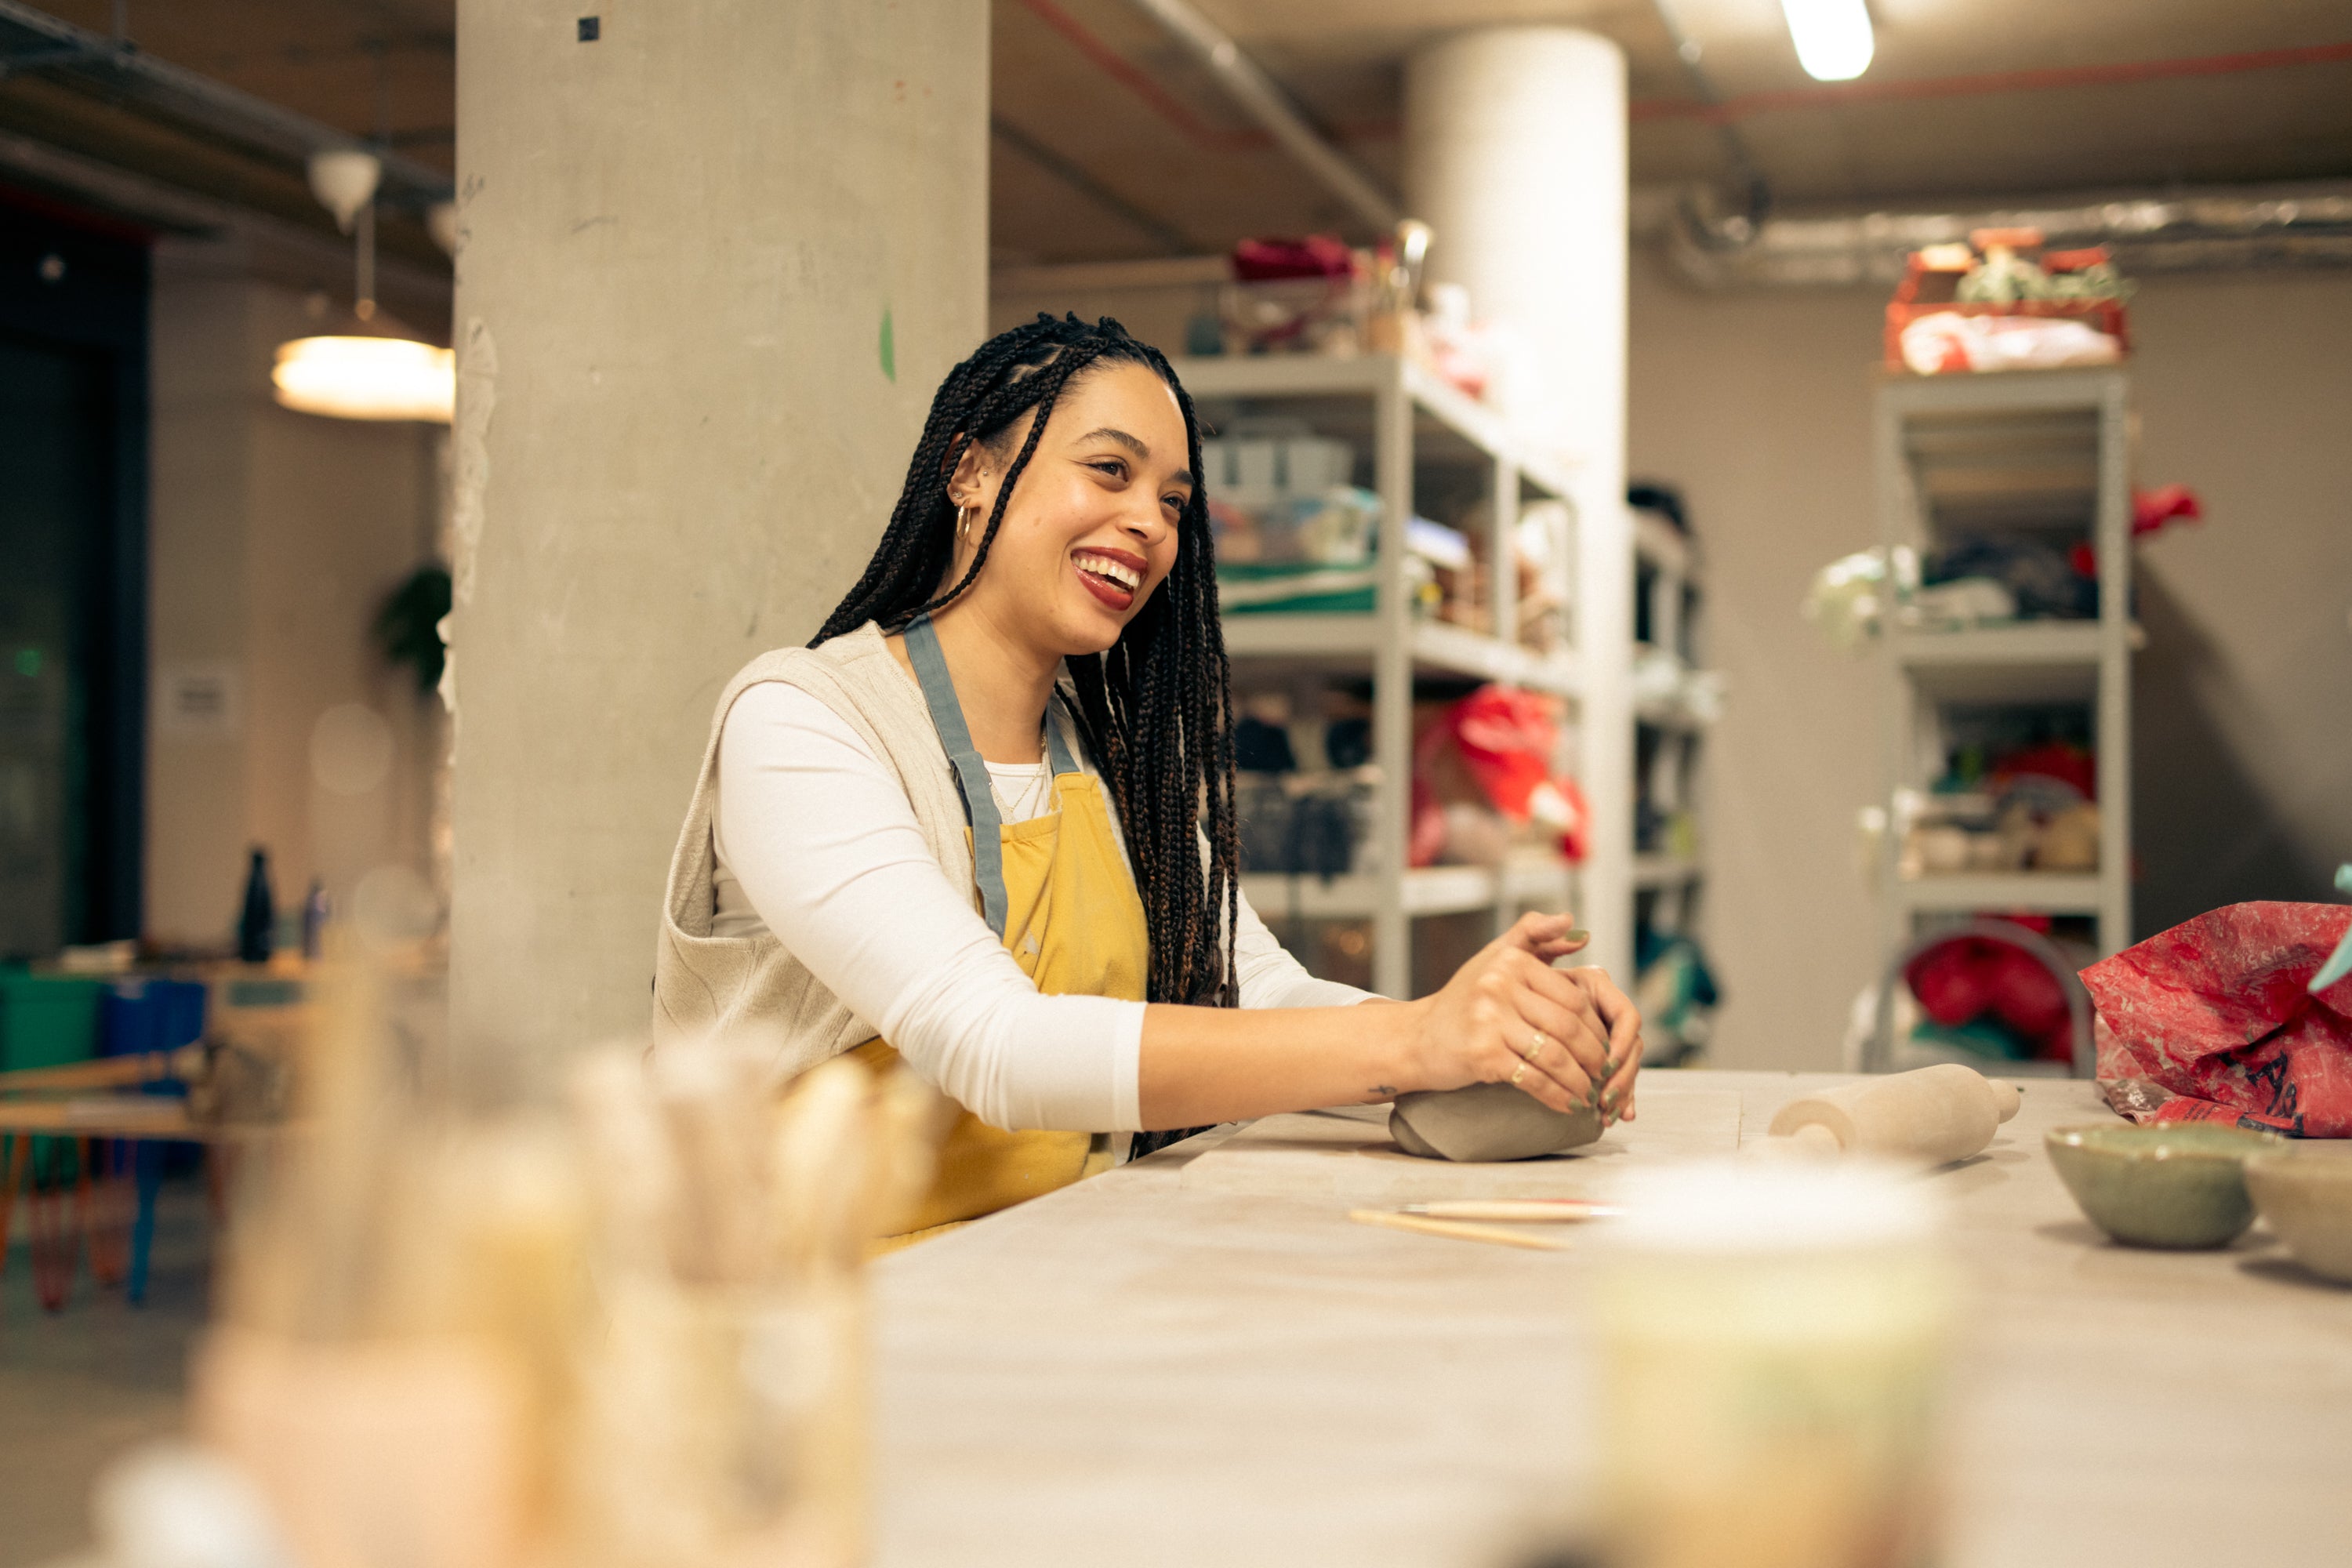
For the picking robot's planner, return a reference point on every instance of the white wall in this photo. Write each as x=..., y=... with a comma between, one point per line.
x=274, y=538
x=1758, y=406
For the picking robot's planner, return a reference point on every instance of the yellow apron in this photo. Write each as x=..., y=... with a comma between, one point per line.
x=1058, y=892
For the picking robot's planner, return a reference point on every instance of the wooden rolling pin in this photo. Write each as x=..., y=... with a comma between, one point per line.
x=1932, y=1116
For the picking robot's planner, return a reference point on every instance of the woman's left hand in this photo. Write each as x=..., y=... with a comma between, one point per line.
x=1624, y=1021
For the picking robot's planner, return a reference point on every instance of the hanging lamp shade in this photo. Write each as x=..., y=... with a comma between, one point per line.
x=367, y=378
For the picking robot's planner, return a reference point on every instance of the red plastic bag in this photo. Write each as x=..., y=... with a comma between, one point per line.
x=2211, y=1021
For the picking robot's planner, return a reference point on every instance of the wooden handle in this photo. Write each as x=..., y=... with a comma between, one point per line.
x=1552, y=1211
x=1498, y=1236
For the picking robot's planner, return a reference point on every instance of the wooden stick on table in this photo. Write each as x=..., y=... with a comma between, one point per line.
x=1495, y=1235
x=1552, y=1211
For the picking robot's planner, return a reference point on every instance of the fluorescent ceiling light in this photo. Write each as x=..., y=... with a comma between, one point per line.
x=1832, y=38
x=367, y=378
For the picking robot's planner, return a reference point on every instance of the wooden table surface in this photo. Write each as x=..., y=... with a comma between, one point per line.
x=1197, y=1360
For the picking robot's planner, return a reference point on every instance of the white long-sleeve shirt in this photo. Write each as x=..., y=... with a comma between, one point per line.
x=816, y=841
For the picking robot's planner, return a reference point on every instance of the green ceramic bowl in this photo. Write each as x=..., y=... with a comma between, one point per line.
x=2179, y=1185
x=2305, y=1197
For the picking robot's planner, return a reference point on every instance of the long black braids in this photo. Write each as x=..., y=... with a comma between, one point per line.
x=1156, y=709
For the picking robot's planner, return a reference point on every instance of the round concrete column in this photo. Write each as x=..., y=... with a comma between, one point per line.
x=1515, y=156
x=713, y=261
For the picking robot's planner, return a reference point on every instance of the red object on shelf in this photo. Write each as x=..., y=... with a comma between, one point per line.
x=2068, y=764
x=1966, y=978
x=2211, y=1021
x=1316, y=256
x=1927, y=290
x=1505, y=738
x=2151, y=510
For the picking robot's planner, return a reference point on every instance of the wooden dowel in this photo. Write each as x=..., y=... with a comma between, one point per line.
x=1492, y=1234
x=1554, y=1211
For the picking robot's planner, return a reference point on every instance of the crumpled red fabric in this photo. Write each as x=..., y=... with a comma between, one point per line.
x=2211, y=1021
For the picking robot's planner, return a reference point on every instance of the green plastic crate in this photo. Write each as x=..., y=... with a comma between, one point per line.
x=47, y=1020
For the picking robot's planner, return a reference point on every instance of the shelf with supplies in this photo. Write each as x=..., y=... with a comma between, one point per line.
x=1668, y=694
x=1423, y=891
x=2051, y=660
x=1439, y=647
x=2019, y=892
x=1328, y=478
x=1656, y=871
x=2008, y=743
x=1675, y=701
x=1442, y=415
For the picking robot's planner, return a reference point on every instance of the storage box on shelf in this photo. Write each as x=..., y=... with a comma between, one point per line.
x=2029, y=467
x=1412, y=436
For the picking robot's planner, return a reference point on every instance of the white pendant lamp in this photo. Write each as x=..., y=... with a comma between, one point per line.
x=360, y=378
x=1834, y=37
x=363, y=374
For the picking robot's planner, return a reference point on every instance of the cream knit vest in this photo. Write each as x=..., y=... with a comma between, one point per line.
x=703, y=983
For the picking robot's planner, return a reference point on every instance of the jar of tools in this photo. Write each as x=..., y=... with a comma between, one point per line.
x=1772, y=1345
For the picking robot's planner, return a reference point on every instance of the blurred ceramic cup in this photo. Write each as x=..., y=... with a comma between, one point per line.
x=1773, y=1342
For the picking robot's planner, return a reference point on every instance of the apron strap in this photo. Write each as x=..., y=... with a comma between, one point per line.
x=1058, y=750
x=971, y=774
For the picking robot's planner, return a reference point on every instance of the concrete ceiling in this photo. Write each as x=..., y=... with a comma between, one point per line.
x=1966, y=98
x=381, y=69
x=1113, y=141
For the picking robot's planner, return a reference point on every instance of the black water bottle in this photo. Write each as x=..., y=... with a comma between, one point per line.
x=257, y=926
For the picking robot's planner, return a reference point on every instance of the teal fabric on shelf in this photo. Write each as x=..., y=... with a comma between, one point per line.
x=1305, y=588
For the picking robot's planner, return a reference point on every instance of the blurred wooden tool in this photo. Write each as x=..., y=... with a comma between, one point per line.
x=1554, y=1211
x=1497, y=1234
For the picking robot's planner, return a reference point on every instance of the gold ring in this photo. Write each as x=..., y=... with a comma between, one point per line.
x=1520, y=1072
x=1536, y=1046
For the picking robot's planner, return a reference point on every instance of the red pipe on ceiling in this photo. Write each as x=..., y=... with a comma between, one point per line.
x=1138, y=81
x=1981, y=83
x=1745, y=105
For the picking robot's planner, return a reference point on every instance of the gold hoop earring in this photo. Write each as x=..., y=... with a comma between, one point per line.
x=964, y=524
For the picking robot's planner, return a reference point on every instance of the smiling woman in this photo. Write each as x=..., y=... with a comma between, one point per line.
x=987, y=817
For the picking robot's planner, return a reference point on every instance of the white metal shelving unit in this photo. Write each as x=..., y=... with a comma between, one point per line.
x=1672, y=780
x=2044, y=451
x=1408, y=420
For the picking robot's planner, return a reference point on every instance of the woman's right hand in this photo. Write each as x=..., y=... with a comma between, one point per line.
x=1509, y=1016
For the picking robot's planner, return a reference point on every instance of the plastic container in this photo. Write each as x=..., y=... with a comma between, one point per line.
x=149, y=1014
x=47, y=1020
x=1773, y=1350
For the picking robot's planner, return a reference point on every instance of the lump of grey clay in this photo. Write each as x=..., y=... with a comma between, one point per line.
x=1486, y=1122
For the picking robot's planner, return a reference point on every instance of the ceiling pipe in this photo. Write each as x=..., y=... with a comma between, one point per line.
x=1984, y=84
x=1170, y=237
x=2247, y=229
x=2277, y=226
x=36, y=43
x=1703, y=217
x=1264, y=101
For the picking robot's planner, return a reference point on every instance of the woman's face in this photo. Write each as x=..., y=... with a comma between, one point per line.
x=1092, y=527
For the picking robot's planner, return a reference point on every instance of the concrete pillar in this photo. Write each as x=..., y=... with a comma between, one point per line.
x=714, y=258
x=1514, y=155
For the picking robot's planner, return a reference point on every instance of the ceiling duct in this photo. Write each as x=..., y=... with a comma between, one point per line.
x=36, y=43
x=2266, y=227
x=1260, y=97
